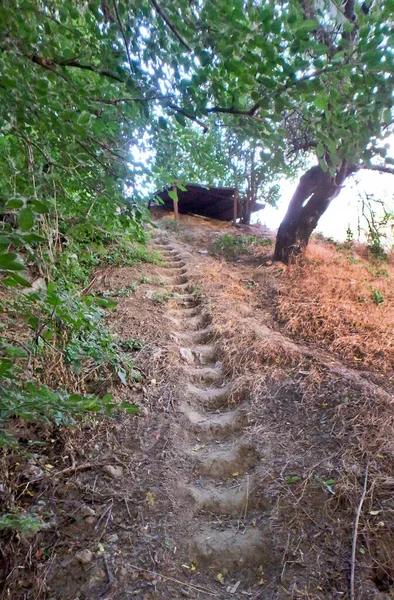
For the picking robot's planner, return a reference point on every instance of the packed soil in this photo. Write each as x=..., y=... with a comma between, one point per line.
x=259, y=466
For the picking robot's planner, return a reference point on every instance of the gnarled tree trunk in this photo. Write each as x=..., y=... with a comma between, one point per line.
x=315, y=190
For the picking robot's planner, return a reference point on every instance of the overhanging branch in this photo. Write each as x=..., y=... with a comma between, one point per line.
x=380, y=168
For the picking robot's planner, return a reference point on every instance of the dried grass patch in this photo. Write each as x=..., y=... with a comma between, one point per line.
x=334, y=298
x=346, y=421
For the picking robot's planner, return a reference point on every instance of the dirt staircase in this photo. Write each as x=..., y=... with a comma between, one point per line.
x=228, y=534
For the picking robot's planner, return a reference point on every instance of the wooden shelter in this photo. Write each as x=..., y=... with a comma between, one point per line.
x=221, y=203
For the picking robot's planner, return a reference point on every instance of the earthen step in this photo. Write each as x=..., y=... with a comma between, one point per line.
x=182, y=287
x=184, y=311
x=223, y=461
x=176, y=279
x=201, y=336
x=213, y=426
x=234, y=550
x=172, y=264
x=204, y=354
x=205, y=374
x=199, y=321
x=222, y=500
x=209, y=397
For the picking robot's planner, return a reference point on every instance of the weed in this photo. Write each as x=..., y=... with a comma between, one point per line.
x=172, y=225
x=377, y=297
x=131, y=344
x=126, y=291
x=160, y=297
x=382, y=273
x=144, y=279
x=231, y=247
x=197, y=291
x=126, y=254
x=23, y=523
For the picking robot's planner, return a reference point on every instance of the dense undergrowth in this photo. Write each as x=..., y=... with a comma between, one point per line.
x=56, y=353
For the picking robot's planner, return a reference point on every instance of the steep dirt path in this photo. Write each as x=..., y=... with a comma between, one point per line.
x=226, y=536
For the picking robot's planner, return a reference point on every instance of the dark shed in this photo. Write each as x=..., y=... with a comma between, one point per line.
x=221, y=203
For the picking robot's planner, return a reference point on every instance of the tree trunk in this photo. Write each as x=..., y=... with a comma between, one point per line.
x=315, y=190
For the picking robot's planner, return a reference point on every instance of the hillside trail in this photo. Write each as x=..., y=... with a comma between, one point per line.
x=228, y=483
x=222, y=531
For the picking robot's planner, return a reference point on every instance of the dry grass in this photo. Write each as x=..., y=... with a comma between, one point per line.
x=342, y=300
x=329, y=299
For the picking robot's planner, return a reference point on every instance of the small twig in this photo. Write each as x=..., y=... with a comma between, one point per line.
x=123, y=36
x=107, y=571
x=355, y=534
x=247, y=496
x=107, y=510
x=170, y=25
x=189, y=585
x=69, y=471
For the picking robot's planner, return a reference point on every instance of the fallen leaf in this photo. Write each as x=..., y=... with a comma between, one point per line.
x=235, y=474
x=219, y=577
x=150, y=499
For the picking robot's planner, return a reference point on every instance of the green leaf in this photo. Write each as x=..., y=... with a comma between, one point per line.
x=320, y=102
x=5, y=366
x=387, y=116
x=26, y=219
x=15, y=352
x=8, y=262
x=7, y=440
x=129, y=408
x=33, y=237
x=173, y=195
x=292, y=479
x=83, y=118
x=39, y=207
x=307, y=26
x=320, y=149
x=15, y=203
x=181, y=119
x=323, y=165
x=18, y=280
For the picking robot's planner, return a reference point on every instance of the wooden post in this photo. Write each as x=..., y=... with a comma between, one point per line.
x=235, y=208
x=176, y=213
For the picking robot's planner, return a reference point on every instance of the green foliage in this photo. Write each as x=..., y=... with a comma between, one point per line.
x=231, y=247
x=126, y=291
x=24, y=523
x=144, y=279
x=131, y=344
x=381, y=273
x=377, y=297
x=375, y=247
x=377, y=216
x=160, y=297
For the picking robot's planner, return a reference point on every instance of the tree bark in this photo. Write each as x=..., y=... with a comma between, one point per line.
x=315, y=190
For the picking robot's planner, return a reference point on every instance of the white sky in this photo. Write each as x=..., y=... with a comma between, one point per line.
x=343, y=210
